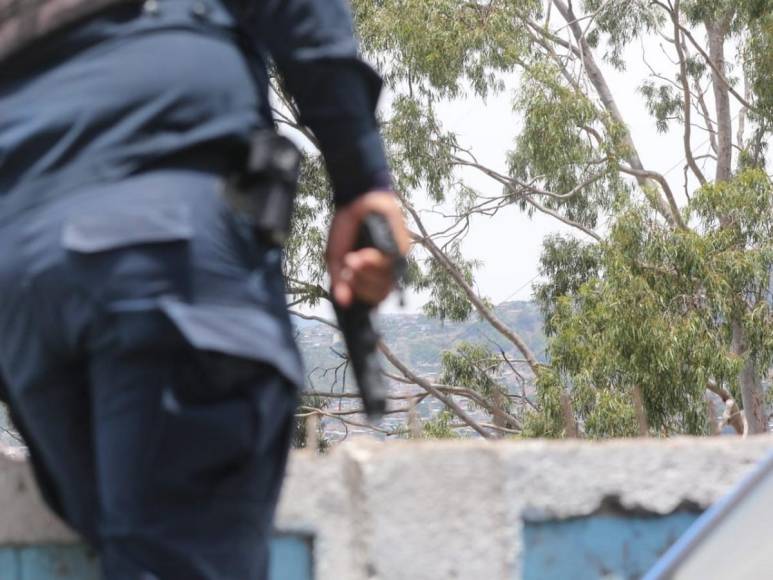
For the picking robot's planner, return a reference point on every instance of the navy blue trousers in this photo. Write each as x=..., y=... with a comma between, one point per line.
x=149, y=363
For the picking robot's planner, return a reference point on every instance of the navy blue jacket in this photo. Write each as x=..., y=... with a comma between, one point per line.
x=135, y=86
x=144, y=334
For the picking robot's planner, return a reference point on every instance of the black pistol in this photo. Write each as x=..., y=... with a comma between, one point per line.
x=356, y=324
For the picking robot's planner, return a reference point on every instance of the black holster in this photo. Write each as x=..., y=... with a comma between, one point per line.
x=263, y=192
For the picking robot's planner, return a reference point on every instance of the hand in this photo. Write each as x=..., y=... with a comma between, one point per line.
x=365, y=274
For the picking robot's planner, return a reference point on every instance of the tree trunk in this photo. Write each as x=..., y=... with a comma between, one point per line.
x=717, y=35
x=312, y=433
x=753, y=397
x=752, y=394
x=713, y=420
x=641, y=413
x=500, y=419
x=567, y=414
x=732, y=412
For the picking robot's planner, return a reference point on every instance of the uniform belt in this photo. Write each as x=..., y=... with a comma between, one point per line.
x=82, y=177
x=22, y=22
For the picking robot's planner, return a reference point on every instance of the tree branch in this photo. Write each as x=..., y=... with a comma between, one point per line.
x=716, y=70
x=312, y=411
x=687, y=101
x=666, y=207
x=704, y=109
x=427, y=386
x=510, y=182
x=480, y=401
x=414, y=379
x=645, y=173
x=733, y=415
x=472, y=296
x=541, y=208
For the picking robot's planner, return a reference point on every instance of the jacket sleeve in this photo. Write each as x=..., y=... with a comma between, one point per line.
x=313, y=45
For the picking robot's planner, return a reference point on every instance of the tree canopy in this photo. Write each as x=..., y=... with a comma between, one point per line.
x=658, y=304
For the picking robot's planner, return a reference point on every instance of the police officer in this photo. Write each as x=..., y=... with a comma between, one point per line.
x=145, y=346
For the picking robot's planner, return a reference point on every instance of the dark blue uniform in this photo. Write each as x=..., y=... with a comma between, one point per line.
x=145, y=346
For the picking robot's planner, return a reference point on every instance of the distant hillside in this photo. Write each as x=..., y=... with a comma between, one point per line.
x=419, y=341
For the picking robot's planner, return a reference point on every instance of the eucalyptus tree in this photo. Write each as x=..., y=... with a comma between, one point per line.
x=658, y=305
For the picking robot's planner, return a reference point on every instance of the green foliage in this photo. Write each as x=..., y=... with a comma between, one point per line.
x=547, y=421
x=663, y=102
x=420, y=150
x=565, y=265
x=659, y=318
x=440, y=427
x=563, y=138
x=758, y=62
x=300, y=427
x=447, y=299
x=474, y=366
x=652, y=306
x=619, y=23
x=738, y=218
x=443, y=46
x=304, y=253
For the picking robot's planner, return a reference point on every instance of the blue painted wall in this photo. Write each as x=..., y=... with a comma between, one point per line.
x=291, y=559
x=602, y=546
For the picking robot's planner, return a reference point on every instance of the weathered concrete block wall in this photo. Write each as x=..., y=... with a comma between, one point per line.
x=426, y=511
x=429, y=511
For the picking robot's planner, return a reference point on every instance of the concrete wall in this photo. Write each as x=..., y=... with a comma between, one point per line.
x=430, y=511
x=433, y=511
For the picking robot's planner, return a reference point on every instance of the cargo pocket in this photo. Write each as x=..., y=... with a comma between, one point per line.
x=203, y=444
x=225, y=411
x=224, y=424
x=239, y=331
x=120, y=226
x=119, y=252
x=233, y=447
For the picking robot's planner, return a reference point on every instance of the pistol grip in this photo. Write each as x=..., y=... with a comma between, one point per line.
x=357, y=326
